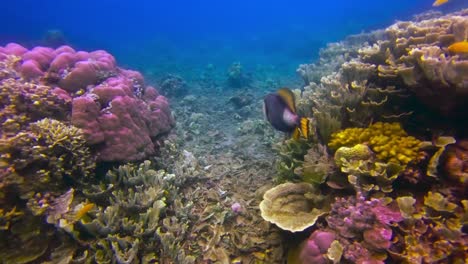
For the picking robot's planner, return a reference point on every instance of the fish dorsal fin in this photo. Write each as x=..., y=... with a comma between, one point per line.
x=288, y=97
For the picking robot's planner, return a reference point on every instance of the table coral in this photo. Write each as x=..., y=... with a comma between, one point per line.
x=418, y=53
x=292, y=206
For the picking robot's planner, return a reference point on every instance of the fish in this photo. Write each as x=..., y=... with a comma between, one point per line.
x=439, y=2
x=280, y=110
x=458, y=47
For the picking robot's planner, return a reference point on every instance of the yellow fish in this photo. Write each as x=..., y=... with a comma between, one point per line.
x=83, y=210
x=439, y=2
x=459, y=47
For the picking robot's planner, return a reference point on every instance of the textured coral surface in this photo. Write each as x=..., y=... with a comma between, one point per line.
x=120, y=116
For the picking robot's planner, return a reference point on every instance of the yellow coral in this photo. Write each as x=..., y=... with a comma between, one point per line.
x=388, y=140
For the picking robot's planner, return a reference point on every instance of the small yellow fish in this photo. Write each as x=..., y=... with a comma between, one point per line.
x=439, y=2
x=83, y=210
x=458, y=47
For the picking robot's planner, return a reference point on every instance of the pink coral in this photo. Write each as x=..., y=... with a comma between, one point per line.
x=30, y=69
x=121, y=117
x=313, y=249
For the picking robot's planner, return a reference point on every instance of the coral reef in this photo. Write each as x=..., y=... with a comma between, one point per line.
x=417, y=53
x=38, y=166
x=121, y=118
x=432, y=232
x=360, y=95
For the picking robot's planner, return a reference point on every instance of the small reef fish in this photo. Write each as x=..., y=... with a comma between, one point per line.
x=439, y=2
x=458, y=47
x=280, y=111
x=85, y=209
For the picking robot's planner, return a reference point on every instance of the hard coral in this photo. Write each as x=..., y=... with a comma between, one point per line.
x=45, y=153
x=388, y=140
x=417, y=52
x=363, y=225
x=122, y=119
x=432, y=231
x=364, y=172
x=313, y=249
x=293, y=206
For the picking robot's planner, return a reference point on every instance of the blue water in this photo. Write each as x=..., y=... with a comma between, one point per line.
x=148, y=33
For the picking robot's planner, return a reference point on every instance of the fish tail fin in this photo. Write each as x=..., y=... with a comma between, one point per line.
x=296, y=134
x=304, y=127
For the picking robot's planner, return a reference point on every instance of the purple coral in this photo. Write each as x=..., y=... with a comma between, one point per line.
x=352, y=216
x=363, y=226
x=313, y=249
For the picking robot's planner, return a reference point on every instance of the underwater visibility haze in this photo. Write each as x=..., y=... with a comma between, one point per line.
x=234, y=132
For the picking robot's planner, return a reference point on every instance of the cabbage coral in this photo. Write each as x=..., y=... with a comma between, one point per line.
x=292, y=206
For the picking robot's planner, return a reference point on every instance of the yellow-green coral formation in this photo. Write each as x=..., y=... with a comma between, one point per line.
x=23, y=102
x=291, y=156
x=364, y=172
x=38, y=165
x=44, y=154
x=432, y=232
x=293, y=206
x=388, y=141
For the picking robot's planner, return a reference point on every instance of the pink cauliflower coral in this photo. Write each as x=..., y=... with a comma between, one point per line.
x=122, y=117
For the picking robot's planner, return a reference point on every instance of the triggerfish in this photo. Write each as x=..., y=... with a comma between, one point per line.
x=280, y=111
x=439, y=2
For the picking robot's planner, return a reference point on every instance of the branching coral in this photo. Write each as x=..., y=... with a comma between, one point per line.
x=39, y=164
x=291, y=154
x=47, y=152
x=317, y=165
x=24, y=102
